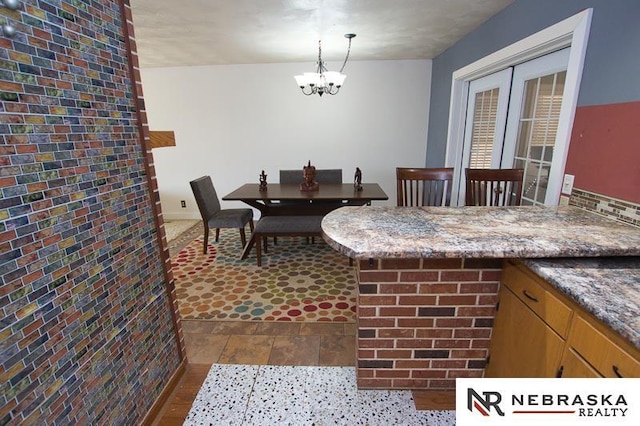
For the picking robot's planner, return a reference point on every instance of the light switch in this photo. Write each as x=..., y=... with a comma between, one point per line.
x=567, y=184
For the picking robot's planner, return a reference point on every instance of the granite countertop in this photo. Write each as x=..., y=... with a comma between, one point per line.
x=476, y=232
x=608, y=288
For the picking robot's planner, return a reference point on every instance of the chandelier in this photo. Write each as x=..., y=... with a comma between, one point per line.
x=323, y=81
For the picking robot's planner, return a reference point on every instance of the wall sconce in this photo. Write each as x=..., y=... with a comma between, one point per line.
x=8, y=30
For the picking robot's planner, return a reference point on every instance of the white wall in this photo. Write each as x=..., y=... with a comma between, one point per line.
x=233, y=121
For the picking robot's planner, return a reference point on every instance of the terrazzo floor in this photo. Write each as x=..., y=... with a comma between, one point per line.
x=297, y=396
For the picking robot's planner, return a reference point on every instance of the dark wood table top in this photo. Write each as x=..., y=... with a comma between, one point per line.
x=287, y=200
x=291, y=192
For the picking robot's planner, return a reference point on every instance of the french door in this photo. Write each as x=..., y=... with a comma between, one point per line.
x=512, y=120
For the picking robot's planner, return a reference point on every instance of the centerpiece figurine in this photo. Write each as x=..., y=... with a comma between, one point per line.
x=309, y=178
x=357, y=179
x=263, y=181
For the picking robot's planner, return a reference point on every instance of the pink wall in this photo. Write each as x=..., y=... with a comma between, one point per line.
x=604, y=154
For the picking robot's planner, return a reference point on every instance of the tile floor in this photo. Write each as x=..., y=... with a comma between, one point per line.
x=254, y=343
x=268, y=395
x=265, y=343
x=272, y=343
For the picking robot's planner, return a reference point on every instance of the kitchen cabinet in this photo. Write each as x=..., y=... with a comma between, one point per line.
x=529, y=329
x=523, y=345
x=574, y=366
x=596, y=347
x=540, y=332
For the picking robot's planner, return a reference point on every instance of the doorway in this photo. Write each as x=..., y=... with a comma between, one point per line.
x=571, y=33
x=512, y=122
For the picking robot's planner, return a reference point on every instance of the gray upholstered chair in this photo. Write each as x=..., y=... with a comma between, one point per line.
x=213, y=216
x=289, y=176
x=329, y=175
x=322, y=176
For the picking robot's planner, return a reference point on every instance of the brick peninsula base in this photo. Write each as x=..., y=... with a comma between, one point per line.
x=422, y=323
x=429, y=278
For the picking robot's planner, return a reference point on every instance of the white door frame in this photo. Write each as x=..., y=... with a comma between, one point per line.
x=572, y=32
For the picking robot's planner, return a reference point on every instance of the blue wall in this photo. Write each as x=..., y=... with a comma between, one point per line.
x=612, y=66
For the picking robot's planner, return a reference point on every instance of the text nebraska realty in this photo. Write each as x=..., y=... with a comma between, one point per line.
x=589, y=405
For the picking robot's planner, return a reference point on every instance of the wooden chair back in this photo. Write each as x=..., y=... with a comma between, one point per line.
x=494, y=187
x=424, y=186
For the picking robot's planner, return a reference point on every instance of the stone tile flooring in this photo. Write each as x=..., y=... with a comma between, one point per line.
x=242, y=342
x=270, y=395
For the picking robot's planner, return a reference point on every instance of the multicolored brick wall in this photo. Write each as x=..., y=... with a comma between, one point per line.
x=422, y=323
x=88, y=333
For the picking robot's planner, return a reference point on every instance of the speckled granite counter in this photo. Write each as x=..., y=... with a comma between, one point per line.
x=476, y=232
x=608, y=288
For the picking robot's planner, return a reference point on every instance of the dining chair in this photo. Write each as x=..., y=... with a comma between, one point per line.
x=329, y=175
x=291, y=176
x=322, y=176
x=424, y=186
x=213, y=216
x=494, y=187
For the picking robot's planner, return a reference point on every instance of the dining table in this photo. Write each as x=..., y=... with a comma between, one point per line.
x=289, y=200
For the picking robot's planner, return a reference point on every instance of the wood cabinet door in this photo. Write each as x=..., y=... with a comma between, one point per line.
x=522, y=344
x=573, y=366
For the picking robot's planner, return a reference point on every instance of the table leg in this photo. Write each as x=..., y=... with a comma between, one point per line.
x=247, y=248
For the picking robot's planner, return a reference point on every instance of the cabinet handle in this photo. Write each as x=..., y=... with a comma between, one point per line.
x=528, y=296
x=616, y=370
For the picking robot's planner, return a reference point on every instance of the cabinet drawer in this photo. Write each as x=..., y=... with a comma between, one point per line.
x=554, y=312
x=604, y=355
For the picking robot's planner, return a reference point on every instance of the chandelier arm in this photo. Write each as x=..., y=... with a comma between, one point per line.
x=346, y=57
x=311, y=91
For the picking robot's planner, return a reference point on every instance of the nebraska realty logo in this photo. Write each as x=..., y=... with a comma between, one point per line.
x=554, y=401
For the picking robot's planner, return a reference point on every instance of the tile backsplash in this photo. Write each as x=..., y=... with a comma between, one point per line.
x=623, y=211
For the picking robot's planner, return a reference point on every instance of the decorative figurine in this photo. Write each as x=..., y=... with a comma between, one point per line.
x=357, y=179
x=263, y=181
x=309, y=176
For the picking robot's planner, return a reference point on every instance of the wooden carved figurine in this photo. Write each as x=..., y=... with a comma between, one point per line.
x=357, y=179
x=263, y=181
x=309, y=175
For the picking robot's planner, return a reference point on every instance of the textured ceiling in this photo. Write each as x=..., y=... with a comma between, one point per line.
x=213, y=32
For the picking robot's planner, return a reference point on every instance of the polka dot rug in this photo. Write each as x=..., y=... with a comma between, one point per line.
x=298, y=281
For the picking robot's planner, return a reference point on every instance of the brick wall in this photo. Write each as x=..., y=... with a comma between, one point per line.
x=88, y=333
x=422, y=323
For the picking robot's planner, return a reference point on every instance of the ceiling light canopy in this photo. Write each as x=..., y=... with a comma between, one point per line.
x=323, y=81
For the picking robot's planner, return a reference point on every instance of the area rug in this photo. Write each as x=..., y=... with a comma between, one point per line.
x=285, y=395
x=174, y=228
x=298, y=281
